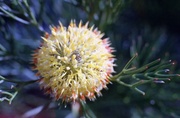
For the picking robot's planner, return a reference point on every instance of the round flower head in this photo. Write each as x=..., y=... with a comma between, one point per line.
x=75, y=63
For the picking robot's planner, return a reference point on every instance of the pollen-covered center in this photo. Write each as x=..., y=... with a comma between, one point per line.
x=76, y=55
x=74, y=63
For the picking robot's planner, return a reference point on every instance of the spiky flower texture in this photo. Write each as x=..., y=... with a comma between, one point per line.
x=74, y=63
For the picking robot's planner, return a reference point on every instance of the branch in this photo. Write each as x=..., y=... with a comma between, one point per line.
x=156, y=72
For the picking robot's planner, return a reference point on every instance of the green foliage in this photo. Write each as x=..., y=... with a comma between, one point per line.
x=100, y=12
x=153, y=72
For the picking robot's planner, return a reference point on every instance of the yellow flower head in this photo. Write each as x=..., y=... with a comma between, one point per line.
x=75, y=63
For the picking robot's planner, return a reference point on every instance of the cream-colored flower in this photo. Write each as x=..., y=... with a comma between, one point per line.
x=75, y=63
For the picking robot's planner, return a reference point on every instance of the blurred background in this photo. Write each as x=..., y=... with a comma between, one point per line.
x=150, y=28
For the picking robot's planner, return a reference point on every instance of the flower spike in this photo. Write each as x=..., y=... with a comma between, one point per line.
x=74, y=63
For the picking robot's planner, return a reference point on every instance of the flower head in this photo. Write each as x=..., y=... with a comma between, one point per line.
x=75, y=63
